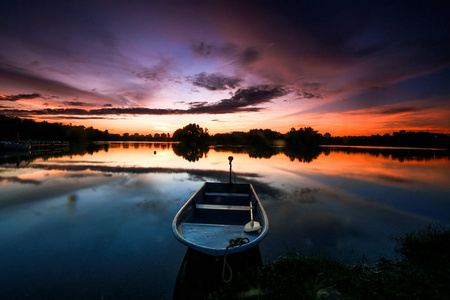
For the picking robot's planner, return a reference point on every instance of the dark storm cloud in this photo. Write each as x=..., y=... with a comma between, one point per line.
x=215, y=81
x=19, y=97
x=244, y=100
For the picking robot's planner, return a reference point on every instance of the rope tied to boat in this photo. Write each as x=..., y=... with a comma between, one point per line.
x=233, y=243
x=238, y=242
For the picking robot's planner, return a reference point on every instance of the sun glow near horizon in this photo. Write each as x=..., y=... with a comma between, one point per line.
x=335, y=124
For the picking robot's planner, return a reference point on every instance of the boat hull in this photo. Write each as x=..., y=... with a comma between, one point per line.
x=217, y=214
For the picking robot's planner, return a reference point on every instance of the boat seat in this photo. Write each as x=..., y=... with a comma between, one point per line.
x=222, y=207
x=226, y=194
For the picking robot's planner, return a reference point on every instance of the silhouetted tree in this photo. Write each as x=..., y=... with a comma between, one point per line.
x=304, y=138
x=192, y=135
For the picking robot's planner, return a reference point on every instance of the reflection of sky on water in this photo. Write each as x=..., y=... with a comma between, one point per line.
x=101, y=223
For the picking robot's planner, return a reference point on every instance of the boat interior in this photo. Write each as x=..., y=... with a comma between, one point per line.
x=223, y=204
x=218, y=213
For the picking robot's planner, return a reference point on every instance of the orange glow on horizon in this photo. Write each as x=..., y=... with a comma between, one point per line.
x=335, y=126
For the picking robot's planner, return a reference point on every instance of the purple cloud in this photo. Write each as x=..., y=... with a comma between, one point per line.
x=244, y=100
x=215, y=81
x=19, y=97
x=75, y=103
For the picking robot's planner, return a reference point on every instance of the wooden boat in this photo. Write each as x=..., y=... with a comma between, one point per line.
x=220, y=217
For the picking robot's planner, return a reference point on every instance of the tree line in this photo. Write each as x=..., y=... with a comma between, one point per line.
x=192, y=135
x=308, y=138
x=14, y=128
x=401, y=138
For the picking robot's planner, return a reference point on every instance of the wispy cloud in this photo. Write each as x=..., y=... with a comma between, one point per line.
x=203, y=49
x=76, y=103
x=52, y=87
x=402, y=109
x=242, y=55
x=244, y=100
x=157, y=72
x=19, y=97
x=215, y=81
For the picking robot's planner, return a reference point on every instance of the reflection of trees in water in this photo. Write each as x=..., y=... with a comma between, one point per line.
x=305, y=155
x=262, y=152
x=400, y=155
x=23, y=159
x=190, y=153
x=137, y=145
x=252, y=151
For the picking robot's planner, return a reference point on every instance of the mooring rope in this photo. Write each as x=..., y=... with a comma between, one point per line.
x=233, y=243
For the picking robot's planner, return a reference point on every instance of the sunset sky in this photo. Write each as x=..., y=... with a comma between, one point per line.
x=343, y=67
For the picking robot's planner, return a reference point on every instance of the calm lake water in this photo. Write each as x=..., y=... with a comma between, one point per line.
x=98, y=224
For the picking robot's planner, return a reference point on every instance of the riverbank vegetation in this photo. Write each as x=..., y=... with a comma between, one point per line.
x=401, y=138
x=193, y=134
x=422, y=272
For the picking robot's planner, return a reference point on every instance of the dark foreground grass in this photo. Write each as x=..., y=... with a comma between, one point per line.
x=423, y=272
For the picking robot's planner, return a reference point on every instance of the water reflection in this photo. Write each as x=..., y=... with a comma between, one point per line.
x=137, y=145
x=194, y=154
x=400, y=154
x=189, y=153
x=97, y=219
x=23, y=159
x=303, y=155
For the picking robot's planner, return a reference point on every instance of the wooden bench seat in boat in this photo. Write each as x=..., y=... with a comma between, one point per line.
x=222, y=207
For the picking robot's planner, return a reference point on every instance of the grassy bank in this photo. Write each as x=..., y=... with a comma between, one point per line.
x=422, y=272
